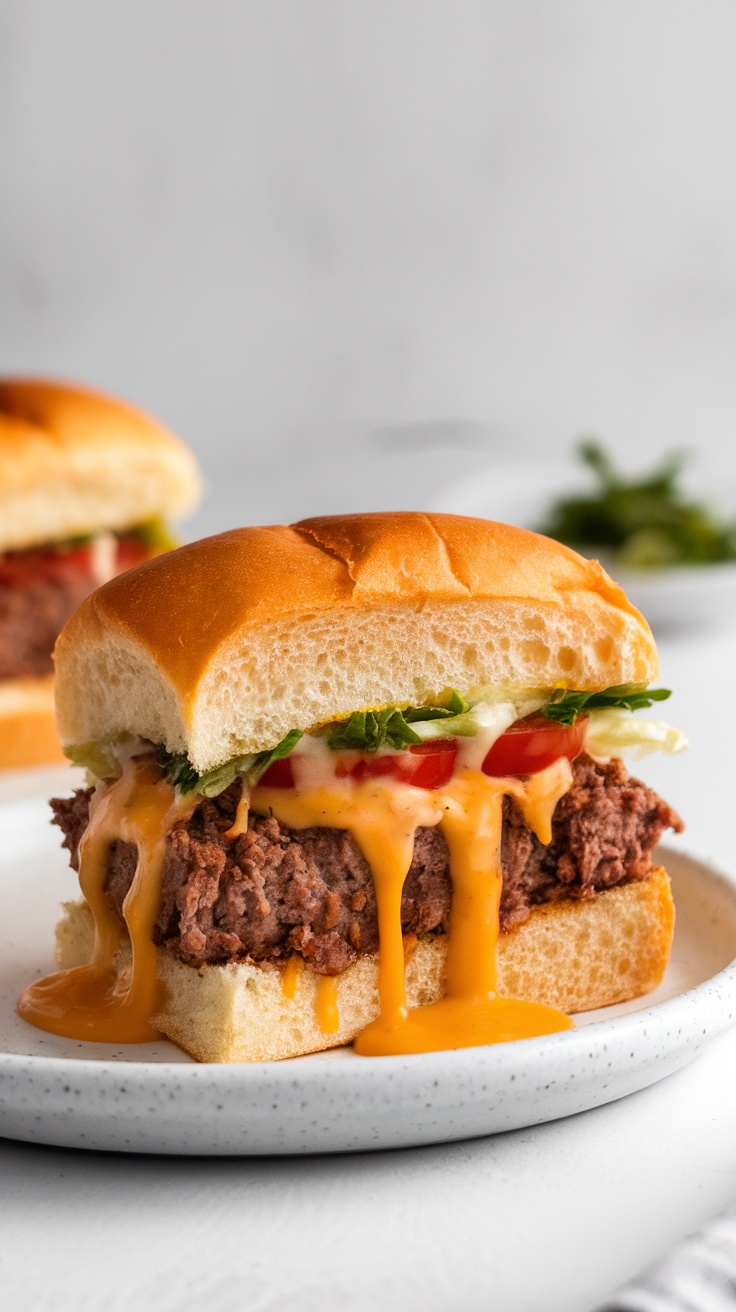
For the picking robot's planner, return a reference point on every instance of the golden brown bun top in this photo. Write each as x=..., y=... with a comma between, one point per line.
x=73, y=461
x=225, y=644
x=415, y=555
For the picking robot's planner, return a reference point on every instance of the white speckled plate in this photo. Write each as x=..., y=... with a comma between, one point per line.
x=152, y=1098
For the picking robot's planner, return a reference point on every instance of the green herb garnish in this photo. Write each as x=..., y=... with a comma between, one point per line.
x=645, y=522
x=565, y=707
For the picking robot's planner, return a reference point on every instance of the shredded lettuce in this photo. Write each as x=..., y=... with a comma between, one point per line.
x=101, y=760
x=615, y=732
x=182, y=774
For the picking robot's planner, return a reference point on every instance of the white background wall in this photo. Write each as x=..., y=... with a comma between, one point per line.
x=293, y=227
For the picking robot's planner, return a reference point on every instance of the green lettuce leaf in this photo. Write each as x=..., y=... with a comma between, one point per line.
x=366, y=731
x=178, y=770
x=451, y=705
x=565, y=707
x=99, y=759
x=260, y=762
x=182, y=774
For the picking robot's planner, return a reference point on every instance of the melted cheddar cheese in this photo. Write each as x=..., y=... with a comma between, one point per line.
x=383, y=818
x=97, y=1001
x=100, y=1002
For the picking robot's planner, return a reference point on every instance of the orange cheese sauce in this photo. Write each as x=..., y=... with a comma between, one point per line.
x=102, y=1003
x=240, y=823
x=96, y=1001
x=328, y=1017
x=383, y=819
x=290, y=975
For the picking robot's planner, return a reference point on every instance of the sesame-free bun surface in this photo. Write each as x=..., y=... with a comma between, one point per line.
x=73, y=461
x=221, y=647
x=571, y=955
x=28, y=734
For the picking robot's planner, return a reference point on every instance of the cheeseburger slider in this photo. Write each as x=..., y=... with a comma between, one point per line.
x=85, y=483
x=356, y=779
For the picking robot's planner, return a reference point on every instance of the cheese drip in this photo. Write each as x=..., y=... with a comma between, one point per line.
x=383, y=819
x=290, y=976
x=98, y=1001
x=101, y=1002
x=328, y=1017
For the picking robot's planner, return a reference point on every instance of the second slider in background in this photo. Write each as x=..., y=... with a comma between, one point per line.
x=88, y=484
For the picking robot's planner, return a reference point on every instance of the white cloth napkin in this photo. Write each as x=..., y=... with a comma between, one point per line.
x=699, y=1275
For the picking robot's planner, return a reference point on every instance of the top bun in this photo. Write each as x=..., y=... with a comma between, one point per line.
x=221, y=647
x=73, y=461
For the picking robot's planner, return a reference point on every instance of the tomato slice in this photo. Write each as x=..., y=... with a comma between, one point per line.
x=131, y=551
x=533, y=744
x=280, y=774
x=19, y=569
x=425, y=765
x=431, y=764
x=527, y=746
x=22, y=568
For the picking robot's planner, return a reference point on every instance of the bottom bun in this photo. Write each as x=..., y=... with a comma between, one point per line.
x=571, y=955
x=27, y=725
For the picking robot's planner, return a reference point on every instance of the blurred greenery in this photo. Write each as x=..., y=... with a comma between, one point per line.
x=646, y=522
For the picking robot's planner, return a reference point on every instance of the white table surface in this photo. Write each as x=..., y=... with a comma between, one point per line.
x=547, y=1219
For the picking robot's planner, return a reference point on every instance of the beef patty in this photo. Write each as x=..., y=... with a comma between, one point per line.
x=31, y=619
x=274, y=891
